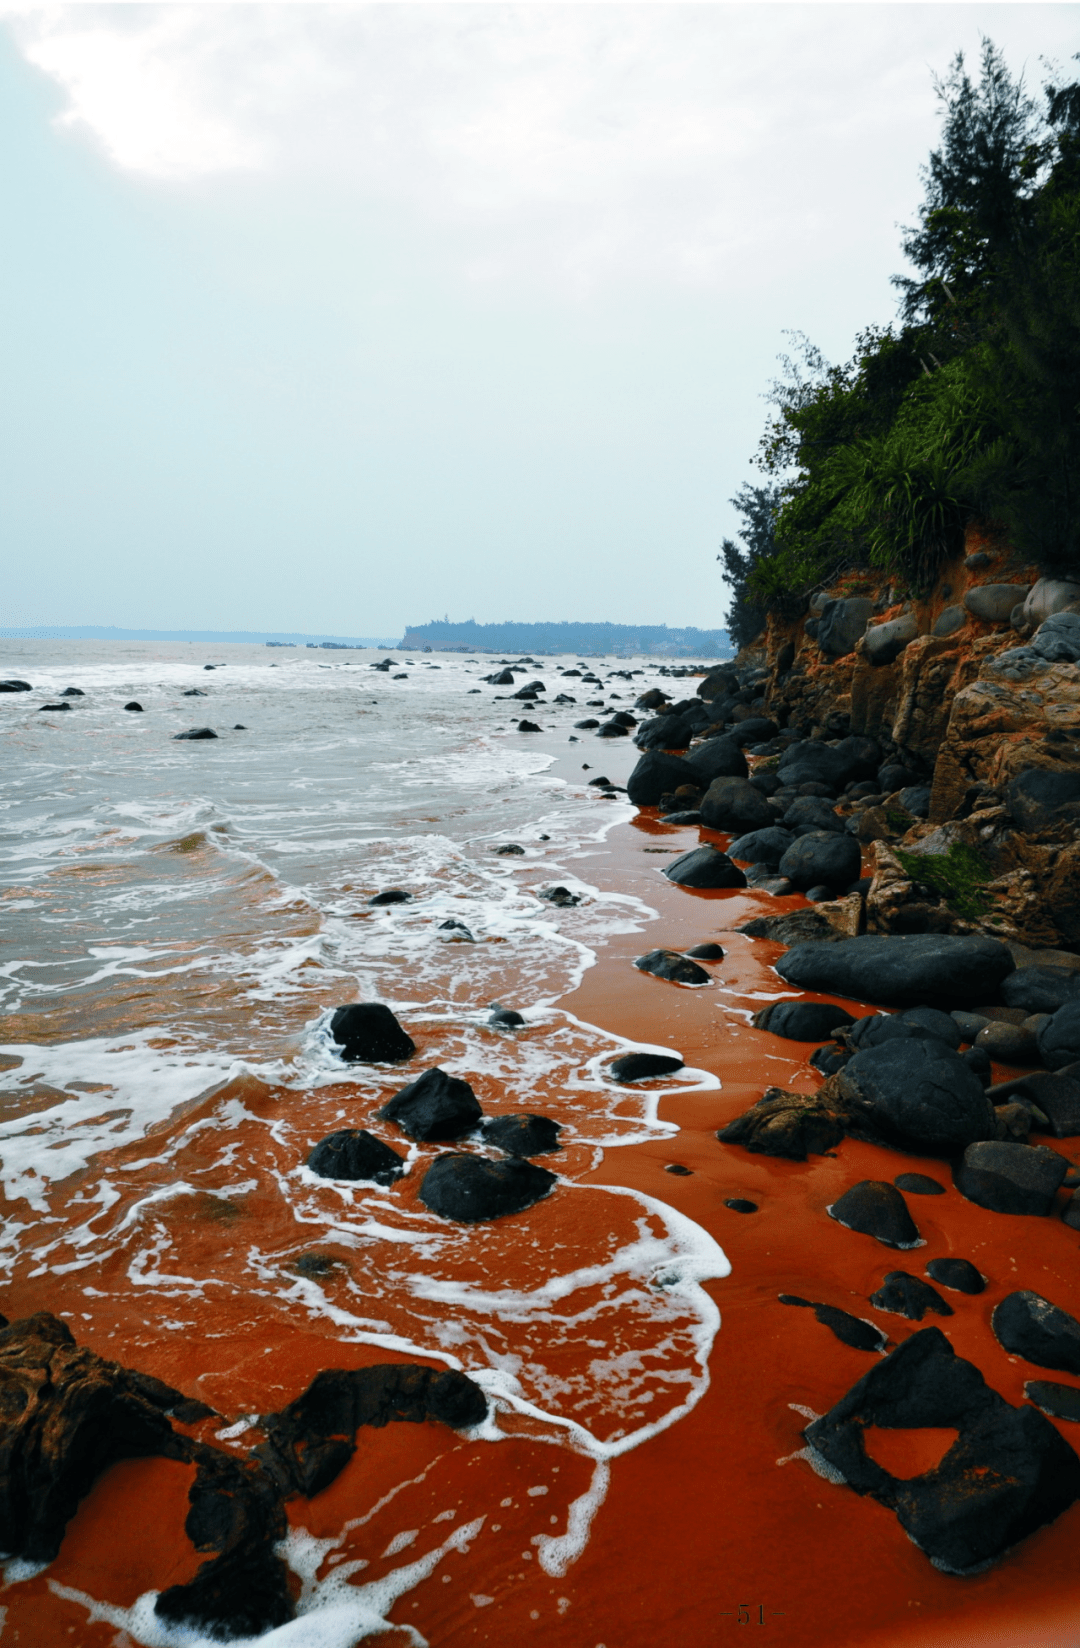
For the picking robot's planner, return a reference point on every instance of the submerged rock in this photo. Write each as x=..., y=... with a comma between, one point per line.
x=504, y=1018
x=704, y=867
x=350, y=1153
x=1059, y=1401
x=958, y=1274
x=392, y=895
x=875, y=1208
x=910, y=1296
x=470, y=1189
x=1008, y=1473
x=368, y=1033
x=850, y=1330
x=1028, y=1325
x=195, y=733
x=435, y=1106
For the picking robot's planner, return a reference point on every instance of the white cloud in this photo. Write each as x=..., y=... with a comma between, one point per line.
x=577, y=141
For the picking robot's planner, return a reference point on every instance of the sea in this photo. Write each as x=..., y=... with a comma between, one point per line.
x=180, y=920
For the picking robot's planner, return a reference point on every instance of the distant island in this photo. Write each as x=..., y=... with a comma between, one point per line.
x=622, y=639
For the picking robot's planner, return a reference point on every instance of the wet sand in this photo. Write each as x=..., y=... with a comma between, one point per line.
x=703, y=1537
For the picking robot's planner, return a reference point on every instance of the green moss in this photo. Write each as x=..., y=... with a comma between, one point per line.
x=958, y=876
x=898, y=820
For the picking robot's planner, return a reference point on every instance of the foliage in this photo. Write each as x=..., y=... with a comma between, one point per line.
x=757, y=505
x=970, y=406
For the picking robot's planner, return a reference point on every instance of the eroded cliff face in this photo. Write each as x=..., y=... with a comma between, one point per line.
x=965, y=690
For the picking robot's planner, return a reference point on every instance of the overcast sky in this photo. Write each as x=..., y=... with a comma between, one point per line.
x=343, y=317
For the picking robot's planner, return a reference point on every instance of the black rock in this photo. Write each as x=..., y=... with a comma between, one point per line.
x=470, y=1188
x=196, y=732
x=528, y=726
x=719, y=758
x=756, y=729
x=1059, y=1037
x=830, y=1059
x=503, y=678
x=796, y=927
x=689, y=815
x=657, y=774
x=918, y=1184
x=909, y=1296
x=791, y=1125
x=903, y=969
x=802, y=1020
x=73, y=692
x=504, y=1018
x=238, y=726
x=977, y=1060
x=57, y=707
x=630, y=1067
x=133, y=705
x=893, y=777
x=15, y=686
x=878, y=1028
x=1056, y=1094
x=1038, y=799
x=704, y=867
x=669, y=964
x=665, y=732
x=850, y=1330
x=706, y=952
x=935, y=1023
x=351, y=1153
x=1010, y=1178
x=435, y=1106
x=734, y=804
x=823, y=857
x=739, y=1204
x=677, y=1167
x=874, y=1208
x=766, y=846
x=588, y=724
x=958, y=1274
x=1028, y=1325
x=370, y=1034
x=523, y=1135
x=1040, y=989
x=1059, y=1401
x=194, y=692
x=916, y=1093
x=1008, y=1473
x=562, y=896
x=811, y=812
x=392, y=895
x=915, y=799
x=456, y=931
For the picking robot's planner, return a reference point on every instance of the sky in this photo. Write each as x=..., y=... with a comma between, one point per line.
x=339, y=318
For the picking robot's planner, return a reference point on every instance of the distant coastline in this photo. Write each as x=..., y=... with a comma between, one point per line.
x=108, y=632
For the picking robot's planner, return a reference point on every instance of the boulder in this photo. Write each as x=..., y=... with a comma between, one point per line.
x=812, y=812
x=902, y=969
x=562, y=896
x=1010, y=1178
x=958, y=1274
x=504, y=1018
x=435, y=1106
x=630, y=1067
x=915, y=1093
x=522, y=1135
x=690, y=816
x=850, y=1330
x=910, y=1296
x=1059, y=1037
x=706, y=952
x=1058, y=639
x=918, y=1184
x=802, y=1020
x=949, y=621
x=753, y=729
x=822, y=858
x=1040, y=799
x=1047, y=596
x=883, y=643
x=766, y=846
x=811, y=762
x=796, y=927
x=470, y=1189
x=875, y=1208
x=842, y=624
x=935, y=1023
x=657, y=774
x=704, y=867
x=1054, y=1094
x=134, y=705
x=528, y=726
x=734, y=804
x=1008, y=1043
x=1008, y=1472
x=195, y=733
x=670, y=964
x=392, y=895
x=993, y=603
x=664, y=732
x=791, y=1125
x=350, y=1153
x=915, y=799
x=1028, y=1325
x=613, y=729
x=969, y=1024
x=12, y=685
x=893, y=777
x=368, y=1033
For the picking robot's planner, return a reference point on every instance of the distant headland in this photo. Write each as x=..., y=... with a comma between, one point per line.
x=627, y=639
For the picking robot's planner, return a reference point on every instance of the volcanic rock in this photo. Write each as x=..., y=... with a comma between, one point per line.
x=792, y=1125
x=918, y=1184
x=821, y=856
x=134, y=705
x=58, y=707
x=470, y=1189
x=718, y=758
x=435, y=1106
x=1008, y=1043
x=1010, y=1178
x=1028, y=1325
x=196, y=732
x=850, y=1330
x=910, y=1296
x=1059, y=1401
x=812, y=812
x=874, y=1208
x=630, y=1067
x=958, y=1274
x=796, y=927
x=392, y=895
x=802, y=1020
x=766, y=846
x=658, y=774
x=915, y=1093
x=1040, y=989
x=669, y=964
x=734, y=804
x=903, y=969
x=1008, y=1473
x=368, y=1033
x=706, y=952
x=523, y=1135
x=740, y=1204
x=1056, y=1096
x=704, y=867
x=13, y=685
x=1059, y=1038
x=842, y=623
x=350, y=1153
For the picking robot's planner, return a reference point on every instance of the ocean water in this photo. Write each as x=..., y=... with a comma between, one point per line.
x=179, y=921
